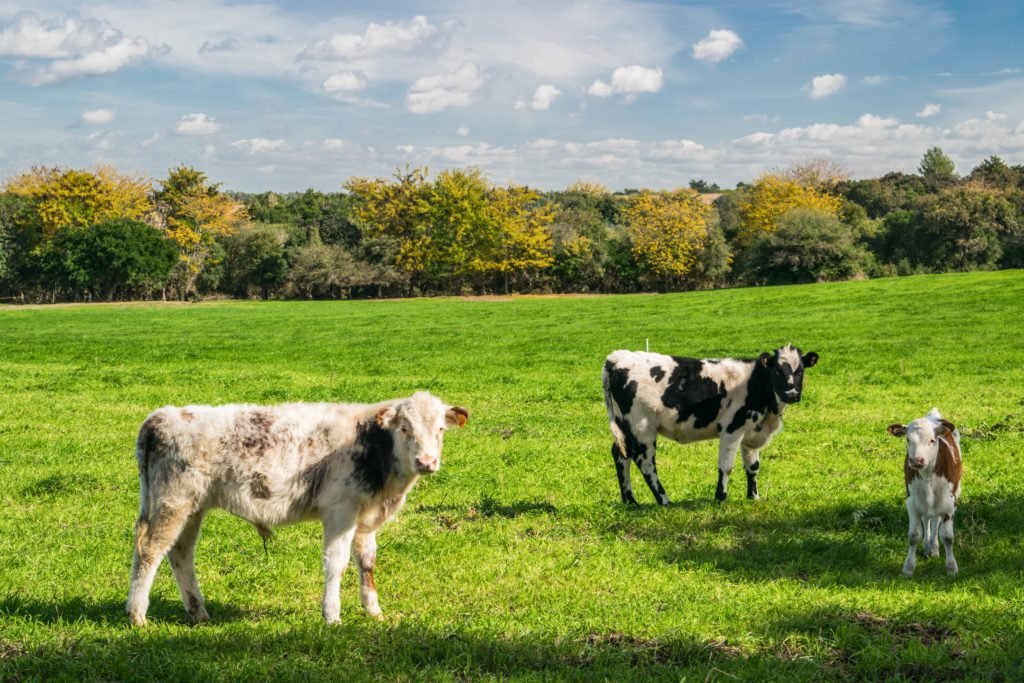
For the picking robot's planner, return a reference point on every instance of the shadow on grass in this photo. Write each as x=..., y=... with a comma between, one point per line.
x=826, y=644
x=827, y=544
x=108, y=612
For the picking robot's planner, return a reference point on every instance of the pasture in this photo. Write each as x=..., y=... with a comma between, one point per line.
x=517, y=560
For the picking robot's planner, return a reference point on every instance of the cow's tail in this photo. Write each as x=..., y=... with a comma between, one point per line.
x=614, y=413
x=144, y=446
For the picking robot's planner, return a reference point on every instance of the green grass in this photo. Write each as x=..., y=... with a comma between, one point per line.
x=517, y=560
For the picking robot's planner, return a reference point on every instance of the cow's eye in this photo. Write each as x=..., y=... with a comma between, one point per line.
x=931, y=442
x=405, y=430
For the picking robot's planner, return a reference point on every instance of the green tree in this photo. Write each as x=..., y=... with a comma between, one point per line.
x=808, y=246
x=255, y=257
x=962, y=226
x=994, y=173
x=936, y=168
x=773, y=196
x=118, y=255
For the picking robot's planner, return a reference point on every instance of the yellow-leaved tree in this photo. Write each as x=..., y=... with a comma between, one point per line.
x=773, y=196
x=67, y=199
x=195, y=212
x=667, y=230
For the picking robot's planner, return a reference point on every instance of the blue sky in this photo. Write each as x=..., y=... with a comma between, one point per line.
x=290, y=95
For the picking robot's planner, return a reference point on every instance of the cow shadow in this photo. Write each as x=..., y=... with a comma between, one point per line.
x=109, y=612
x=830, y=543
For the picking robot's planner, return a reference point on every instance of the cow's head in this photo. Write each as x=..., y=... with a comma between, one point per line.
x=786, y=369
x=923, y=437
x=417, y=425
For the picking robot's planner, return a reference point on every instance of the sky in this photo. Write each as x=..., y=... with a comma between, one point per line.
x=292, y=95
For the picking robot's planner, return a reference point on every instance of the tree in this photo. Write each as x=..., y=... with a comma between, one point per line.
x=962, y=226
x=255, y=257
x=667, y=230
x=704, y=187
x=994, y=173
x=808, y=246
x=936, y=168
x=818, y=173
x=120, y=254
x=771, y=197
x=194, y=213
x=67, y=199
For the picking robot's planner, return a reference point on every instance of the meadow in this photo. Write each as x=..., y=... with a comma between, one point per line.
x=517, y=560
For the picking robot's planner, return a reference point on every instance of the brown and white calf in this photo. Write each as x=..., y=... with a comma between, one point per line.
x=738, y=402
x=348, y=465
x=932, y=471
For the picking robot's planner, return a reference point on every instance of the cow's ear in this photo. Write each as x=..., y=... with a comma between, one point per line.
x=897, y=429
x=385, y=415
x=810, y=359
x=944, y=428
x=456, y=415
x=765, y=358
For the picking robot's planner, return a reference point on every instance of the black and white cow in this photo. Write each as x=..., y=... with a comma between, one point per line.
x=738, y=401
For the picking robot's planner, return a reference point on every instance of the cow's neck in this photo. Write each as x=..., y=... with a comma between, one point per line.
x=761, y=381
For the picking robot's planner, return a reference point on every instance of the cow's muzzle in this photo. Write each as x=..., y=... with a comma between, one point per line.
x=428, y=466
x=791, y=397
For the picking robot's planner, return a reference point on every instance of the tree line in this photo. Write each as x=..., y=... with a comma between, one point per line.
x=100, y=234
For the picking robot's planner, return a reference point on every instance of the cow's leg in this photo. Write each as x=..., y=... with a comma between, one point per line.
x=751, y=465
x=913, y=538
x=153, y=538
x=622, y=471
x=931, y=536
x=642, y=445
x=182, y=557
x=339, y=528
x=365, y=546
x=727, y=447
x=946, y=533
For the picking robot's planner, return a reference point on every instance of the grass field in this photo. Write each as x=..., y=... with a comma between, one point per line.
x=517, y=560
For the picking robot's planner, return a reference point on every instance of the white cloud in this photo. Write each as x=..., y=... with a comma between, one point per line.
x=400, y=36
x=406, y=149
x=260, y=145
x=336, y=145
x=226, y=45
x=872, y=121
x=719, y=44
x=344, y=82
x=98, y=116
x=70, y=47
x=996, y=116
x=431, y=94
x=629, y=80
x=196, y=124
x=929, y=110
x=462, y=131
x=209, y=150
x=876, y=79
x=543, y=96
x=826, y=85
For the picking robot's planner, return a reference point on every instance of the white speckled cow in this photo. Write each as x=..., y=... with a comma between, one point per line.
x=739, y=402
x=931, y=471
x=348, y=465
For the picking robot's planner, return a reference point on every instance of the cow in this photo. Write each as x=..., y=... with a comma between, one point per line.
x=349, y=465
x=738, y=401
x=931, y=472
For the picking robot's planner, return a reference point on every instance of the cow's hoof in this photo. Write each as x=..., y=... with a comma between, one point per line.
x=720, y=497
x=137, y=619
x=630, y=500
x=952, y=569
x=200, y=617
x=909, y=573
x=753, y=496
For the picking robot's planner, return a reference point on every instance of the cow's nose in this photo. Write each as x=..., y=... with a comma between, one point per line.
x=427, y=465
x=919, y=462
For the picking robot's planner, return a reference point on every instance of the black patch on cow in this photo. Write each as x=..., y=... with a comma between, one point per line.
x=622, y=390
x=720, y=493
x=635, y=449
x=760, y=400
x=373, y=459
x=313, y=478
x=657, y=373
x=692, y=395
x=752, y=482
x=755, y=467
x=621, y=467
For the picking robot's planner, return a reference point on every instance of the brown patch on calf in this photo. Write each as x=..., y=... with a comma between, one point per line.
x=255, y=436
x=366, y=578
x=259, y=485
x=948, y=463
x=456, y=415
x=186, y=415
